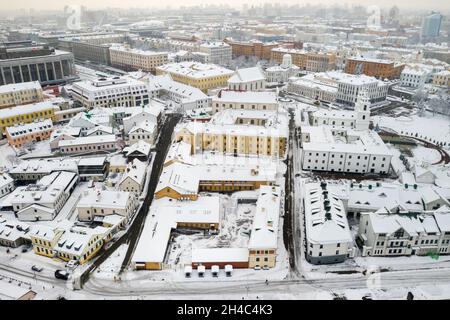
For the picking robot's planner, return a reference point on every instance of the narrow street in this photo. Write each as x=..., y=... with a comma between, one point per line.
x=134, y=231
x=290, y=234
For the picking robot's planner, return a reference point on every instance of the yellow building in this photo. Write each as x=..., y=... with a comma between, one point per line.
x=27, y=113
x=80, y=243
x=183, y=181
x=263, y=241
x=20, y=93
x=44, y=240
x=127, y=58
x=233, y=139
x=442, y=78
x=198, y=75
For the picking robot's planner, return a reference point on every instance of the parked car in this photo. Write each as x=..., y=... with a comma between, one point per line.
x=26, y=248
x=71, y=264
x=36, y=268
x=61, y=274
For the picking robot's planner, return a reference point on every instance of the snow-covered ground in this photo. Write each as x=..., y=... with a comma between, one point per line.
x=7, y=156
x=424, y=155
x=111, y=267
x=429, y=127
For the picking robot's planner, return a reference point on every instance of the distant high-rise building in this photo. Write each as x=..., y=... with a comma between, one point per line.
x=431, y=25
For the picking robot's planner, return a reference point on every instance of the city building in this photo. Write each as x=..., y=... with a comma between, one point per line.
x=166, y=215
x=129, y=59
x=263, y=242
x=30, y=171
x=21, y=93
x=217, y=52
x=312, y=61
x=13, y=233
x=414, y=76
x=93, y=47
x=29, y=113
x=327, y=233
x=112, y=92
x=234, y=139
x=92, y=144
x=100, y=203
x=140, y=150
x=176, y=93
x=93, y=168
x=198, y=75
x=142, y=125
x=442, y=78
x=244, y=100
x=340, y=141
x=378, y=68
x=253, y=48
x=184, y=179
x=134, y=177
x=21, y=135
x=338, y=87
x=359, y=152
x=6, y=184
x=248, y=79
x=282, y=72
x=26, y=61
x=385, y=233
x=431, y=25
x=43, y=200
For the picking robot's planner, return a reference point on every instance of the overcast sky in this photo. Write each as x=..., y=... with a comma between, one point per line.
x=442, y=5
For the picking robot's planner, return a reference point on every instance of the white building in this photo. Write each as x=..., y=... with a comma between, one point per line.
x=177, y=93
x=91, y=144
x=248, y=79
x=384, y=233
x=357, y=152
x=63, y=133
x=100, y=203
x=217, y=52
x=145, y=130
x=134, y=177
x=124, y=57
x=112, y=92
x=32, y=170
x=328, y=237
x=260, y=100
x=334, y=86
x=141, y=125
x=6, y=184
x=338, y=120
x=283, y=72
x=44, y=200
x=414, y=76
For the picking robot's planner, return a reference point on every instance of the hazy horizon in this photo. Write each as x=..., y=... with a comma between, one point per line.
x=99, y=4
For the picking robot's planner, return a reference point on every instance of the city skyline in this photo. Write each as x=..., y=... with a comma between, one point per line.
x=51, y=5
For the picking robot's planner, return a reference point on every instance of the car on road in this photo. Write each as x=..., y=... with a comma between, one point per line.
x=36, y=268
x=62, y=275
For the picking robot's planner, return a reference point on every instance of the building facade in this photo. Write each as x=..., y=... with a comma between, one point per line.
x=108, y=93
x=378, y=68
x=129, y=59
x=19, y=94
x=197, y=75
